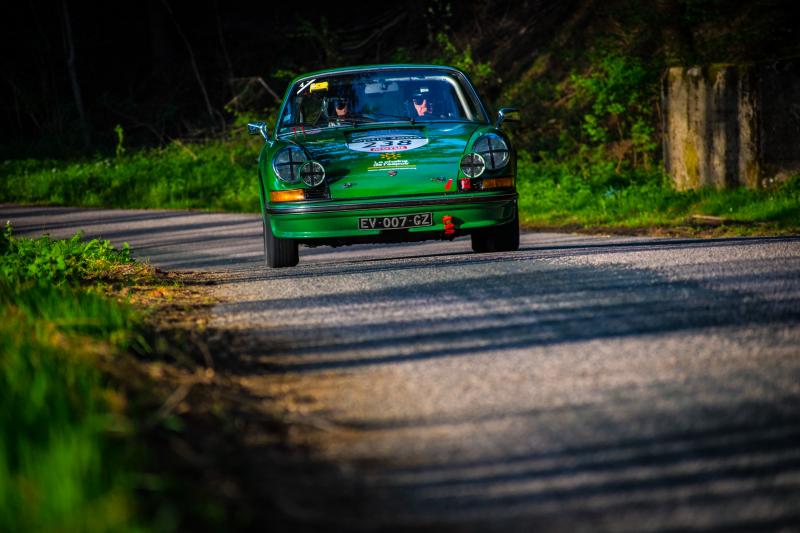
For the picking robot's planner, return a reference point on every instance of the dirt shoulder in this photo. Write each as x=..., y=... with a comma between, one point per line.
x=219, y=451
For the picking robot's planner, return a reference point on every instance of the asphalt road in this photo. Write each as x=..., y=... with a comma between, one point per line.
x=582, y=383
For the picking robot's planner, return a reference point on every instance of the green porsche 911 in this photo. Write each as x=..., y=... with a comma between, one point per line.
x=387, y=153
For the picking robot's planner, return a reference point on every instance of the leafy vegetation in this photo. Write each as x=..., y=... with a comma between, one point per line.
x=586, y=76
x=218, y=174
x=556, y=193
x=479, y=72
x=65, y=461
x=591, y=155
x=619, y=124
x=591, y=188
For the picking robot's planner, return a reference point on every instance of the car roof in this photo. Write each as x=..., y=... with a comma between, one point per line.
x=359, y=68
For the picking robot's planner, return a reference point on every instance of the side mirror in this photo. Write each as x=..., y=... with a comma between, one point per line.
x=254, y=128
x=507, y=114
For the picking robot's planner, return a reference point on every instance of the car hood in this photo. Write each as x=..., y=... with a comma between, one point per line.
x=389, y=159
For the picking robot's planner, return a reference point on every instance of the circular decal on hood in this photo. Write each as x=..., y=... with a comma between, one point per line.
x=387, y=143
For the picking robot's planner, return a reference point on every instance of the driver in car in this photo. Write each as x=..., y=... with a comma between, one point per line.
x=421, y=105
x=341, y=109
x=425, y=107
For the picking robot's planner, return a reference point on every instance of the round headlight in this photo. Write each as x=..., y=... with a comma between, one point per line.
x=493, y=149
x=312, y=173
x=287, y=163
x=472, y=165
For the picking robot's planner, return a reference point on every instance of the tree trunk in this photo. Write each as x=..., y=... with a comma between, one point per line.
x=161, y=45
x=73, y=75
x=209, y=108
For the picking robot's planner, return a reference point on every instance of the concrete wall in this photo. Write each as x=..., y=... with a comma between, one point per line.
x=726, y=126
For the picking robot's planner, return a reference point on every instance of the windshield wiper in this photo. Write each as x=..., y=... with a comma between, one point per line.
x=354, y=119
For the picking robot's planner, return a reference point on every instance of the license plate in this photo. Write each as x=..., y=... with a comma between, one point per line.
x=396, y=222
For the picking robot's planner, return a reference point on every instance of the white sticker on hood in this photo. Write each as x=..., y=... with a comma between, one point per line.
x=387, y=143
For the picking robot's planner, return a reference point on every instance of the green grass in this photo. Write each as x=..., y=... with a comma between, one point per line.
x=216, y=175
x=558, y=194
x=65, y=458
x=221, y=175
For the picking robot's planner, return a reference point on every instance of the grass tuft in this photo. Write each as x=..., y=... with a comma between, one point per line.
x=64, y=463
x=558, y=194
x=218, y=175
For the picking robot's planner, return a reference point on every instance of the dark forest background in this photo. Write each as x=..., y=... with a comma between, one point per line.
x=72, y=71
x=143, y=104
x=166, y=68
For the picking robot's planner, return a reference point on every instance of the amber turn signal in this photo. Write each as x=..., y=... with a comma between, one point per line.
x=292, y=195
x=497, y=183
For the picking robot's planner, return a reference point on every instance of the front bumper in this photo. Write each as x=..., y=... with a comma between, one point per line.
x=333, y=219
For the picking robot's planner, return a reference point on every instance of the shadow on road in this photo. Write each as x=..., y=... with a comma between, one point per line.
x=632, y=456
x=708, y=442
x=510, y=312
x=366, y=265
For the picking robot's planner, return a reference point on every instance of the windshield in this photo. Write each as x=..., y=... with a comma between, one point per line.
x=387, y=95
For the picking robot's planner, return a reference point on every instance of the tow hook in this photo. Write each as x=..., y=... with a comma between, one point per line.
x=449, y=227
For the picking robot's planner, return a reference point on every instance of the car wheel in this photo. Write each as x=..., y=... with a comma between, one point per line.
x=504, y=238
x=278, y=253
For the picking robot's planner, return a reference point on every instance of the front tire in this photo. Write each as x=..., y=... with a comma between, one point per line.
x=504, y=238
x=278, y=253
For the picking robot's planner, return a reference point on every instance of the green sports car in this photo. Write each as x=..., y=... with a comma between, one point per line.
x=387, y=153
